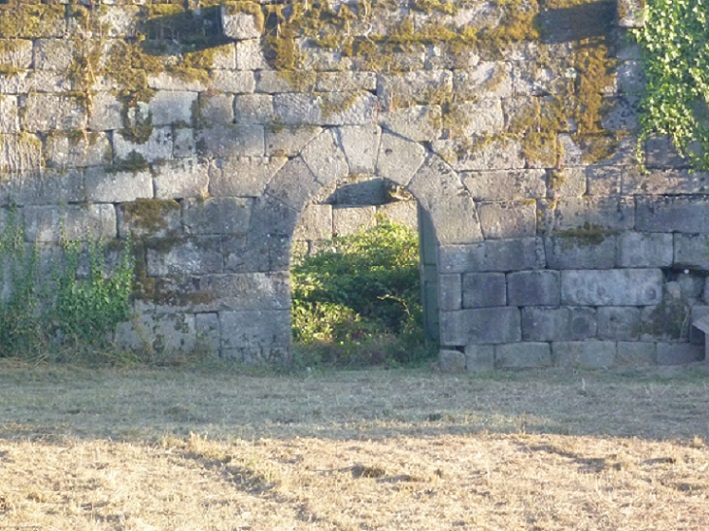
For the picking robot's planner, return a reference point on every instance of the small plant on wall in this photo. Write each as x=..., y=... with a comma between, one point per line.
x=358, y=301
x=66, y=310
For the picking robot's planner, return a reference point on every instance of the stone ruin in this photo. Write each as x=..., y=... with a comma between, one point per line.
x=217, y=132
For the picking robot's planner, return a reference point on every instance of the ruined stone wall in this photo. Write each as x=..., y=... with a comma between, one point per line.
x=206, y=129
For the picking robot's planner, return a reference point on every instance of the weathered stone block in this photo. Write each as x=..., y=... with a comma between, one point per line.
x=328, y=108
x=249, y=55
x=315, y=223
x=399, y=159
x=184, y=144
x=673, y=214
x=16, y=53
x=325, y=158
x=600, y=213
x=105, y=112
x=483, y=290
x=558, y=324
x=636, y=354
x=154, y=218
x=50, y=112
x=20, y=153
x=231, y=141
x=494, y=255
x=179, y=179
x=240, y=25
x=644, y=249
x=89, y=149
x=507, y=219
x=118, y=187
x=619, y=323
x=403, y=90
x=243, y=176
x=451, y=360
x=487, y=77
x=479, y=358
x=289, y=141
x=193, y=256
x=665, y=182
x=401, y=212
x=215, y=109
x=48, y=188
x=660, y=152
x=361, y=146
x=347, y=81
x=668, y=321
x=172, y=107
x=499, y=154
x=481, y=326
x=449, y=292
x=264, y=329
x=691, y=251
x=208, y=332
x=348, y=220
x=505, y=185
x=294, y=184
x=522, y=356
x=245, y=291
x=483, y=116
x=157, y=147
x=578, y=250
x=217, y=215
x=253, y=109
x=73, y=222
x=159, y=332
x=584, y=354
x=420, y=123
x=678, y=353
x=614, y=287
x=233, y=81
x=534, y=288
x=9, y=121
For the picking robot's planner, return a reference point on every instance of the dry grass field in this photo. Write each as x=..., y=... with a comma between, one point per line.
x=215, y=447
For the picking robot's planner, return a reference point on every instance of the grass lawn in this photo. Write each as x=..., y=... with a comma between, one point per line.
x=222, y=447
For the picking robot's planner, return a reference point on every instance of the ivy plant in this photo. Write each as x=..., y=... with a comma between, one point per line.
x=675, y=45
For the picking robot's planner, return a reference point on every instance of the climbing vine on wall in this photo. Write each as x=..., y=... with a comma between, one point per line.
x=675, y=43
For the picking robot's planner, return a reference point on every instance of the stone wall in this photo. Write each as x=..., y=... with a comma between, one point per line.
x=205, y=131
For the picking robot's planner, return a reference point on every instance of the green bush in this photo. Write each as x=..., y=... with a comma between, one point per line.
x=62, y=314
x=358, y=302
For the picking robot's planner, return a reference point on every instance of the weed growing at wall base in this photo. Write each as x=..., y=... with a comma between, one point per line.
x=358, y=301
x=67, y=309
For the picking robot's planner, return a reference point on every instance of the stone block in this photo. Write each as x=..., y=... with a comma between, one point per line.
x=691, y=251
x=273, y=82
x=558, y=324
x=636, y=354
x=17, y=53
x=217, y=215
x=231, y=141
x=420, y=123
x=576, y=250
x=483, y=116
x=480, y=326
x=234, y=82
x=9, y=116
x=294, y=184
x=65, y=151
x=328, y=108
x=505, y=185
x=51, y=187
x=346, y=81
x=262, y=329
x=451, y=360
x=51, y=112
x=208, y=332
x=315, y=223
x=399, y=159
x=250, y=56
x=508, y=219
x=289, y=141
x=160, y=333
x=479, y=358
x=240, y=25
x=242, y=176
x=601, y=213
x=253, y=109
x=106, y=112
x=665, y=182
x=673, y=214
x=404, y=90
x=361, y=146
x=484, y=290
x=20, y=153
x=118, y=187
x=621, y=323
x=620, y=112
x=190, y=256
x=244, y=291
x=449, y=292
x=401, y=212
x=498, y=154
x=678, y=353
x=157, y=147
x=522, y=356
x=491, y=78
x=605, y=181
x=613, y=287
x=534, y=288
x=660, y=152
x=152, y=218
x=493, y=255
x=170, y=107
x=439, y=191
x=184, y=144
x=183, y=178
x=73, y=222
x=668, y=321
x=215, y=109
x=325, y=158
x=631, y=77
x=584, y=354
x=644, y=249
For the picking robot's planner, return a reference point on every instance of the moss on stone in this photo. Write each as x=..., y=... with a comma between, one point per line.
x=29, y=20
x=587, y=234
x=149, y=214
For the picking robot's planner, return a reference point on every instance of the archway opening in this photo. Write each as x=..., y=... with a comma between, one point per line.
x=364, y=277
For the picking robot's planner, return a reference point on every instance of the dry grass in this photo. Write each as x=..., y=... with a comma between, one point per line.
x=214, y=448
